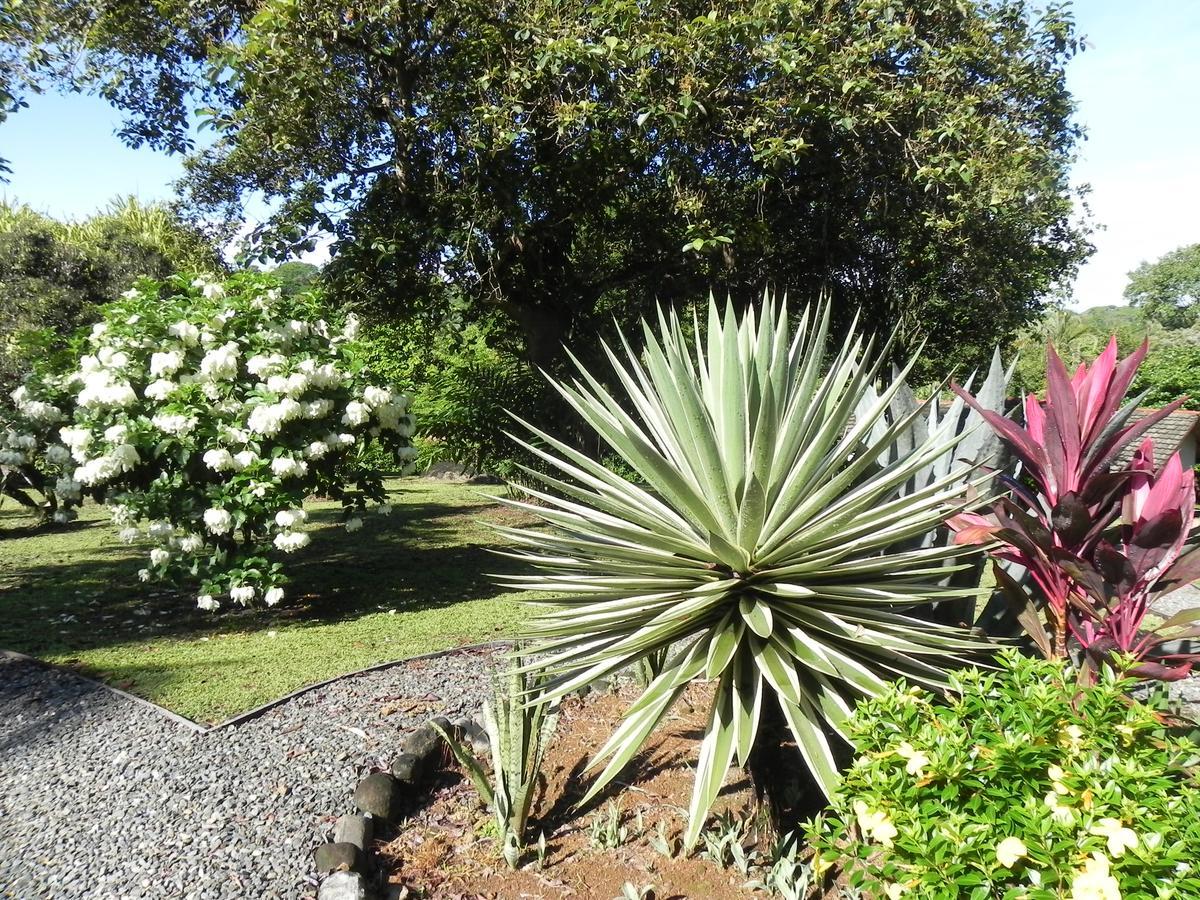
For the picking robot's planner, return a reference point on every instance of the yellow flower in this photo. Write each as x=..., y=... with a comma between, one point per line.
x=821, y=865
x=894, y=890
x=874, y=825
x=1009, y=850
x=1094, y=882
x=1119, y=837
x=1063, y=815
x=1056, y=773
x=917, y=759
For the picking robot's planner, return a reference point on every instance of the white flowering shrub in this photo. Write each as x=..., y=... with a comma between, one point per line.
x=203, y=413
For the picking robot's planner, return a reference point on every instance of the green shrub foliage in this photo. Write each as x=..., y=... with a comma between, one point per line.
x=1020, y=785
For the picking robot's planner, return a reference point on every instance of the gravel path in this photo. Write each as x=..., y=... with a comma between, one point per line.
x=1187, y=690
x=101, y=797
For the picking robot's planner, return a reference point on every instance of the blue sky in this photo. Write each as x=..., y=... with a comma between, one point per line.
x=1135, y=86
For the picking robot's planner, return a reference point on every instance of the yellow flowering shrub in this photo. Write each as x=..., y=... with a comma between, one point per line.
x=1017, y=785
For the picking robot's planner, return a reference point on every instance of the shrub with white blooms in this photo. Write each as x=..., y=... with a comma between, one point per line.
x=204, y=412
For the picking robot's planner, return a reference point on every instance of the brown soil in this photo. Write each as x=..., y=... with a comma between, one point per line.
x=448, y=849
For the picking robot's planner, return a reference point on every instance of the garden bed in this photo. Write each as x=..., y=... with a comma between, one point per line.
x=448, y=848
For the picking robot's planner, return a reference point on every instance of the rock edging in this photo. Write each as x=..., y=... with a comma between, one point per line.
x=346, y=865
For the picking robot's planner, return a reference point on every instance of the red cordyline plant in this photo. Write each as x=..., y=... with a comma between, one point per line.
x=1099, y=546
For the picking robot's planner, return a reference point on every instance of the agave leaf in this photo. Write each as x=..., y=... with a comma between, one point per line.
x=784, y=534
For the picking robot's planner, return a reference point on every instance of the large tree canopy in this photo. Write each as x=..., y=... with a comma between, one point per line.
x=562, y=162
x=1168, y=289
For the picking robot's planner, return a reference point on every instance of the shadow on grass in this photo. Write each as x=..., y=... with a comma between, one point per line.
x=83, y=592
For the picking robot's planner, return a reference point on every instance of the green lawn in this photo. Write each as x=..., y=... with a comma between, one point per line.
x=408, y=583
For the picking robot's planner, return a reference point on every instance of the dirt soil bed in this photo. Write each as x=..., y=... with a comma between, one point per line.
x=448, y=848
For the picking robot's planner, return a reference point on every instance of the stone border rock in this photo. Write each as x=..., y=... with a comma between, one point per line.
x=346, y=864
x=258, y=710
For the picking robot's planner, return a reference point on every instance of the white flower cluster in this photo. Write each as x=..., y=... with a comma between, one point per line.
x=225, y=405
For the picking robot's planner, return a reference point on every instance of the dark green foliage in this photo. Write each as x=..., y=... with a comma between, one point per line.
x=556, y=164
x=54, y=276
x=995, y=762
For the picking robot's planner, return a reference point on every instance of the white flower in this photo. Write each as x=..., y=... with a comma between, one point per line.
x=219, y=459
x=316, y=450
x=159, y=557
x=874, y=825
x=188, y=333
x=114, y=359
x=265, y=420
x=58, y=455
x=242, y=594
x=1009, y=850
x=116, y=434
x=277, y=384
x=407, y=454
x=173, y=423
x=260, y=364
x=218, y=521
x=1094, y=882
x=101, y=389
x=352, y=327
x=384, y=509
x=1119, y=837
x=191, y=543
x=207, y=602
x=165, y=363
x=12, y=458
x=78, y=439
x=296, y=384
x=354, y=524
x=289, y=518
x=143, y=574
x=63, y=516
x=317, y=409
x=221, y=363
x=273, y=596
x=104, y=468
x=290, y=541
x=894, y=891
x=356, y=413
x=376, y=396
x=160, y=390
x=129, y=535
x=161, y=530
x=244, y=458
x=99, y=329
x=286, y=467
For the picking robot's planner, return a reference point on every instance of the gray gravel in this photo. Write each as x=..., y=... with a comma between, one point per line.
x=101, y=797
x=1188, y=690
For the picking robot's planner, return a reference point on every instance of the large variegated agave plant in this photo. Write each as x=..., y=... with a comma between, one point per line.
x=770, y=546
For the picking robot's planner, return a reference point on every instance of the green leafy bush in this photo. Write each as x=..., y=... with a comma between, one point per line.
x=1019, y=786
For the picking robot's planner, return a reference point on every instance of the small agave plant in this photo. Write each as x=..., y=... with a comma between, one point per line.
x=772, y=548
x=518, y=734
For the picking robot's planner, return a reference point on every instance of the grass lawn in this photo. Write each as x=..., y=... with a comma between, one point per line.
x=408, y=583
